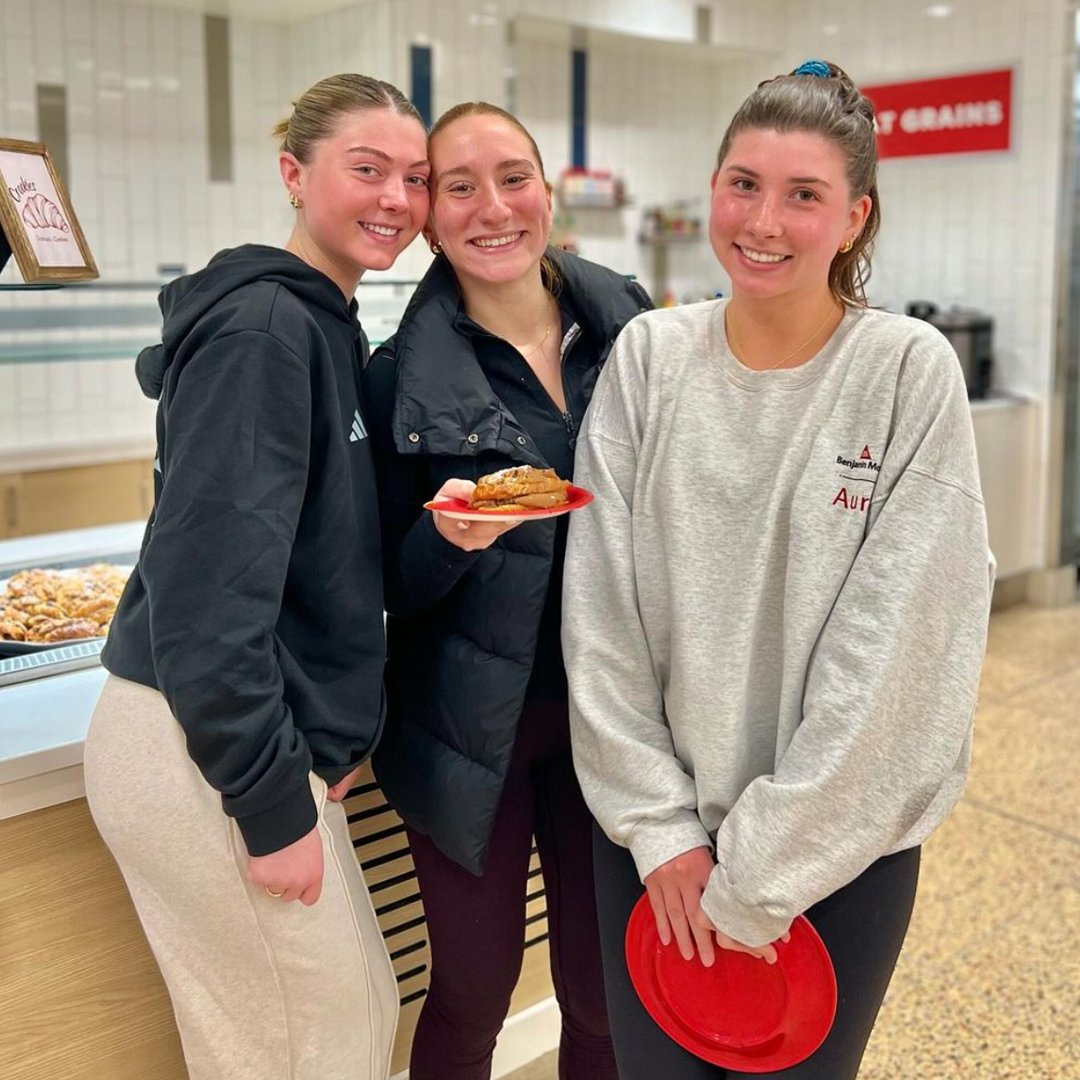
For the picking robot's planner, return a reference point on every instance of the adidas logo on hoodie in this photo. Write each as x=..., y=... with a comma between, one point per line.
x=358, y=430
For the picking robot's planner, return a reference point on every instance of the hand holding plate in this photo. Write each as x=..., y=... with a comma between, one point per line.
x=738, y=1014
x=675, y=889
x=763, y=952
x=467, y=535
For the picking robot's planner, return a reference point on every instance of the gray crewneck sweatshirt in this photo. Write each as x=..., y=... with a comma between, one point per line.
x=775, y=610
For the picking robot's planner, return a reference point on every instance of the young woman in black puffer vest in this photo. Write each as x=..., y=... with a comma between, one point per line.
x=492, y=366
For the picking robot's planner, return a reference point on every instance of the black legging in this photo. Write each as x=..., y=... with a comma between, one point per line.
x=863, y=926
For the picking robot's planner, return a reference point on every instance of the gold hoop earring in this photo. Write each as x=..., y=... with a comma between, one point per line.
x=846, y=246
x=295, y=201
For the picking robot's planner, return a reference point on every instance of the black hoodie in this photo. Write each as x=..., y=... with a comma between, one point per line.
x=256, y=605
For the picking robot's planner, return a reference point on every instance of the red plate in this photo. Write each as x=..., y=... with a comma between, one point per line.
x=741, y=1013
x=462, y=511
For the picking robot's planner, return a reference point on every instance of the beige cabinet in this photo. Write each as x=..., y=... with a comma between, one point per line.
x=50, y=500
x=10, y=490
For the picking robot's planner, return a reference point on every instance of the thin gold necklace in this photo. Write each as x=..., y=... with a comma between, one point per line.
x=527, y=351
x=737, y=349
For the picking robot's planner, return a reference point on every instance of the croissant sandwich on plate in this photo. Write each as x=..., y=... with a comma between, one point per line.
x=521, y=488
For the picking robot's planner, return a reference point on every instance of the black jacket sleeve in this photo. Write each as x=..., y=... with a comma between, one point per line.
x=235, y=462
x=420, y=567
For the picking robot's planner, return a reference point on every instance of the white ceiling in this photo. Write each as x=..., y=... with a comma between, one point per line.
x=529, y=27
x=554, y=31
x=284, y=11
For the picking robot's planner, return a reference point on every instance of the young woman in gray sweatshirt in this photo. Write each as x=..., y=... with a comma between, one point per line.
x=775, y=611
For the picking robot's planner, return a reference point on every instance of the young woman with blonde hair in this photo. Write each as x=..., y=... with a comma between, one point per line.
x=246, y=656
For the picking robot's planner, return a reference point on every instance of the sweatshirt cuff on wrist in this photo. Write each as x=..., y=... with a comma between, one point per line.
x=750, y=924
x=654, y=843
x=280, y=825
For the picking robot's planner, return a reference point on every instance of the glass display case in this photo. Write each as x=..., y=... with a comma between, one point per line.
x=76, y=432
x=65, y=553
x=113, y=320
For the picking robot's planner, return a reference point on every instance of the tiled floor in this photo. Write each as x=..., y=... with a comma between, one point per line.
x=988, y=985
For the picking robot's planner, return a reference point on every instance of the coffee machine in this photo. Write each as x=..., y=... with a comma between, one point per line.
x=971, y=334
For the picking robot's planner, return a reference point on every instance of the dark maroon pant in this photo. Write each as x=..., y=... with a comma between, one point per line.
x=476, y=925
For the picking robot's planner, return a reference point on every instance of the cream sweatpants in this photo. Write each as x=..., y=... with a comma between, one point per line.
x=262, y=989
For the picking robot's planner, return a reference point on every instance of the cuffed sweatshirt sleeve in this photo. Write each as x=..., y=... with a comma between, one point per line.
x=632, y=779
x=234, y=476
x=419, y=566
x=883, y=748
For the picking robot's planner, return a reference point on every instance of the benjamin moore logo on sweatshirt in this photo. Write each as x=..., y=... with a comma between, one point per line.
x=855, y=471
x=358, y=430
x=865, y=460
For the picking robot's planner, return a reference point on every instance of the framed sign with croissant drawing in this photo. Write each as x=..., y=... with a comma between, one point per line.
x=37, y=219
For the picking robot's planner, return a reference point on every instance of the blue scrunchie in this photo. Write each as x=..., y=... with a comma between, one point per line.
x=813, y=67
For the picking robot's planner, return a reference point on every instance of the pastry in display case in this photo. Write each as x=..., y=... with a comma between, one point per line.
x=41, y=609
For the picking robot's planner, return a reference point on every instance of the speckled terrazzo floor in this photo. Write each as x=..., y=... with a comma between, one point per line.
x=988, y=985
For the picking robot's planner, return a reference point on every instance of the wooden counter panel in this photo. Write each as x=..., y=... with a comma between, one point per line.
x=80, y=995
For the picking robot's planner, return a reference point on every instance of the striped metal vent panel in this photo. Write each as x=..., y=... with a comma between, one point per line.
x=382, y=849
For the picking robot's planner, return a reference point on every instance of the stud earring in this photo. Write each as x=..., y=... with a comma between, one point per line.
x=846, y=246
x=295, y=201
x=436, y=247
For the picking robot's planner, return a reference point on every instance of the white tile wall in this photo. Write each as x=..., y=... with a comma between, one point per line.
x=138, y=168
x=978, y=230
x=95, y=404
x=658, y=133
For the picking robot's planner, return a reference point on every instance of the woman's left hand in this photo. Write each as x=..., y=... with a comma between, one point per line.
x=764, y=952
x=344, y=785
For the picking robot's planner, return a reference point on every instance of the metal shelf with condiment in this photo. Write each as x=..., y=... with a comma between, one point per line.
x=674, y=224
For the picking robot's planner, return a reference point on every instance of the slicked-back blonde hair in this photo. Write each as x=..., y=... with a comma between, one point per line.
x=316, y=111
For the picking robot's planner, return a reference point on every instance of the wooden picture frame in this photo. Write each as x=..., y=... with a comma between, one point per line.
x=37, y=218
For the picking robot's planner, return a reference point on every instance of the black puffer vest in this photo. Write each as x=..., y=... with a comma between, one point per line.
x=457, y=670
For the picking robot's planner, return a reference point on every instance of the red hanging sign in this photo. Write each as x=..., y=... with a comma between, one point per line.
x=962, y=114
